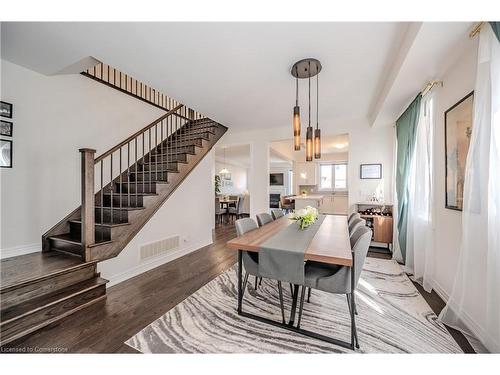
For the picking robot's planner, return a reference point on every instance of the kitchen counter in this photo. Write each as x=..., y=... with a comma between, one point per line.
x=302, y=201
x=307, y=197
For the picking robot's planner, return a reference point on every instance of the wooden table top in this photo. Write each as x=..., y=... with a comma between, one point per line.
x=330, y=244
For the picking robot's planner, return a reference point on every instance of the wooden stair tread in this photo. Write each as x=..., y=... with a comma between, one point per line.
x=121, y=208
x=27, y=268
x=108, y=225
x=68, y=237
x=18, y=311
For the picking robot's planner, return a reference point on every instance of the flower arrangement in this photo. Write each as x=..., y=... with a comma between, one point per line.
x=305, y=216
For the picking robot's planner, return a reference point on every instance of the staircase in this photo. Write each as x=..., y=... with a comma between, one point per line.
x=121, y=190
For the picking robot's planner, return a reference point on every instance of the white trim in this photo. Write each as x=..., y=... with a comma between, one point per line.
x=15, y=251
x=444, y=295
x=156, y=262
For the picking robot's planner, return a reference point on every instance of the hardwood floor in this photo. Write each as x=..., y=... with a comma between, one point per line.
x=137, y=302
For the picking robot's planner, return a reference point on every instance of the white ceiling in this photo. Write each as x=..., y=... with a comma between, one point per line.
x=238, y=73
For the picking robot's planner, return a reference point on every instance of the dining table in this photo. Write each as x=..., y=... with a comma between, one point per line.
x=227, y=202
x=330, y=244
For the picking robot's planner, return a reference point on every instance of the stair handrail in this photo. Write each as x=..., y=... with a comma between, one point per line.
x=138, y=133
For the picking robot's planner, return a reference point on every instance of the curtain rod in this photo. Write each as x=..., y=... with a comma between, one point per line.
x=476, y=30
x=430, y=85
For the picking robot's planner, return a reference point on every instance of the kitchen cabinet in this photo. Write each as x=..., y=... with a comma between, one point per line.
x=334, y=204
x=306, y=173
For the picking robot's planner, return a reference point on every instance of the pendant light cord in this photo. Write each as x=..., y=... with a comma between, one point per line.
x=296, y=87
x=317, y=98
x=309, y=93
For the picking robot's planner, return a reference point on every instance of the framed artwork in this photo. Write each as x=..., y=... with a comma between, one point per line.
x=457, y=133
x=6, y=128
x=5, y=153
x=370, y=171
x=5, y=109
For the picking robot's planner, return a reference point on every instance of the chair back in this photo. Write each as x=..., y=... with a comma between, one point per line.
x=360, y=243
x=355, y=224
x=354, y=215
x=264, y=218
x=276, y=213
x=245, y=225
x=217, y=205
x=239, y=205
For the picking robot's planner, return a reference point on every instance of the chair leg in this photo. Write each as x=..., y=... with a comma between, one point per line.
x=291, y=289
x=244, y=285
x=353, y=320
x=301, y=307
x=260, y=282
x=309, y=295
x=280, y=291
x=256, y=278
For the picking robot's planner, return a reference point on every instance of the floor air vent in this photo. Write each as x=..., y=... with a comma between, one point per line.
x=158, y=248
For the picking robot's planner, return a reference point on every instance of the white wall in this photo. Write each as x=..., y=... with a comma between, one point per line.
x=458, y=82
x=54, y=117
x=239, y=177
x=280, y=168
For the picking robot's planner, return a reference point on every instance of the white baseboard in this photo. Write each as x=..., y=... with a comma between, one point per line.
x=15, y=251
x=445, y=296
x=147, y=266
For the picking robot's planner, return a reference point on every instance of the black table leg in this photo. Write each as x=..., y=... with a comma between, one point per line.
x=294, y=304
x=240, y=273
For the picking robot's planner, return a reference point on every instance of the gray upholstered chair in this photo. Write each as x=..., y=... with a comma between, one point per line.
x=355, y=224
x=353, y=216
x=276, y=213
x=264, y=218
x=219, y=212
x=336, y=279
x=251, y=260
x=237, y=211
x=287, y=204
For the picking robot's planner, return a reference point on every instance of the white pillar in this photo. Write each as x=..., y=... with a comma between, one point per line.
x=258, y=181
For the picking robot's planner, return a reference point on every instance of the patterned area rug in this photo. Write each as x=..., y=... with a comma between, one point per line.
x=392, y=318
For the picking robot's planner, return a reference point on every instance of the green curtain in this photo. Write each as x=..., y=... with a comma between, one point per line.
x=406, y=127
x=496, y=29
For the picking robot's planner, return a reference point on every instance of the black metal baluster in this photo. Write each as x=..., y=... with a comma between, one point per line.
x=102, y=194
x=128, y=173
x=143, y=190
x=149, y=159
x=111, y=185
x=163, y=150
x=156, y=148
x=121, y=185
x=135, y=164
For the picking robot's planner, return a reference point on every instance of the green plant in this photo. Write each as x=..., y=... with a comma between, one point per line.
x=305, y=216
x=217, y=184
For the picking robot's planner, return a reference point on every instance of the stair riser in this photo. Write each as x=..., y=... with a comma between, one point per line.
x=180, y=143
x=160, y=166
x=29, y=323
x=192, y=136
x=127, y=200
x=200, y=127
x=67, y=247
x=100, y=231
x=15, y=296
x=149, y=176
x=176, y=150
x=132, y=188
x=119, y=216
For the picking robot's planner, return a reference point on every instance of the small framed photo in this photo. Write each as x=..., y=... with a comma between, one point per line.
x=370, y=171
x=6, y=128
x=5, y=109
x=5, y=153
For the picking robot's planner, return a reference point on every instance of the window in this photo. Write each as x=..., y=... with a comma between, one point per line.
x=333, y=176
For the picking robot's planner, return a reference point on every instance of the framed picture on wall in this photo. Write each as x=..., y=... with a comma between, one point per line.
x=6, y=128
x=5, y=153
x=457, y=133
x=370, y=171
x=5, y=109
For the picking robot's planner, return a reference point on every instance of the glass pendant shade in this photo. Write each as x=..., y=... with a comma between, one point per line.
x=309, y=144
x=317, y=144
x=296, y=128
x=224, y=171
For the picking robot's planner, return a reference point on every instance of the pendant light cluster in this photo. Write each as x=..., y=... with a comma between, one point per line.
x=224, y=170
x=307, y=68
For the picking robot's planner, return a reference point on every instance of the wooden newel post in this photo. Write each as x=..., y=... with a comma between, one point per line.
x=88, y=201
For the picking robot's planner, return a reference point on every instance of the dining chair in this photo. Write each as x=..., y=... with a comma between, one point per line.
x=287, y=204
x=238, y=210
x=355, y=224
x=251, y=260
x=336, y=279
x=264, y=218
x=219, y=212
x=276, y=213
x=354, y=215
